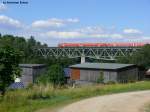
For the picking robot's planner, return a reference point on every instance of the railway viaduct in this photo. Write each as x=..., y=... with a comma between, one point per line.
x=103, y=53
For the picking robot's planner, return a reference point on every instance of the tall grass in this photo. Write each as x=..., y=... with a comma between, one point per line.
x=40, y=96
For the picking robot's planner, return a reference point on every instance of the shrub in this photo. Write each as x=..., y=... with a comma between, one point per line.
x=41, y=92
x=111, y=82
x=55, y=75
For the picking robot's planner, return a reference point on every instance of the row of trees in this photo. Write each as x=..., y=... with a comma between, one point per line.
x=26, y=46
x=21, y=44
x=15, y=50
x=141, y=58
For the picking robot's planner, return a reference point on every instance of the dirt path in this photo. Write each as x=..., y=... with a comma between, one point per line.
x=124, y=102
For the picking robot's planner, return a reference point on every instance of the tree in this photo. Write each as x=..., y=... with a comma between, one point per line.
x=23, y=45
x=56, y=75
x=141, y=58
x=124, y=59
x=9, y=62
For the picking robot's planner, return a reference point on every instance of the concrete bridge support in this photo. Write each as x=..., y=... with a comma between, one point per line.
x=82, y=59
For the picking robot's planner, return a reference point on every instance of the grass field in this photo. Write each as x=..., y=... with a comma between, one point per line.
x=38, y=96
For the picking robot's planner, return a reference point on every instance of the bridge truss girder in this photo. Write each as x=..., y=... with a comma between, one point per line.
x=104, y=53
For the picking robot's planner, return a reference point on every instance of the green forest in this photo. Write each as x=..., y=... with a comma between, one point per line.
x=15, y=50
x=26, y=48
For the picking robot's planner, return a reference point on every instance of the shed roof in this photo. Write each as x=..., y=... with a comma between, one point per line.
x=103, y=66
x=32, y=65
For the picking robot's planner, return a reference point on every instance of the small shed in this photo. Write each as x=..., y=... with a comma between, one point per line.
x=30, y=72
x=109, y=71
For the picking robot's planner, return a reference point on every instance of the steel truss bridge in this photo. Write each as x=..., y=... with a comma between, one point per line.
x=103, y=53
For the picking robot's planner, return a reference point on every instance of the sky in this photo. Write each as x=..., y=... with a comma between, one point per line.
x=62, y=21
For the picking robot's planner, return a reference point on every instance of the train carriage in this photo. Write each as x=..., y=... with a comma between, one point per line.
x=101, y=44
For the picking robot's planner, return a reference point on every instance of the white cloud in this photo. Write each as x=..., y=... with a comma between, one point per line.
x=113, y=35
x=72, y=20
x=132, y=31
x=2, y=7
x=8, y=22
x=54, y=35
x=91, y=29
x=146, y=37
x=63, y=34
x=53, y=22
x=78, y=34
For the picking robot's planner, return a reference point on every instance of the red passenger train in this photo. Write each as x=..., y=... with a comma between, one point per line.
x=101, y=44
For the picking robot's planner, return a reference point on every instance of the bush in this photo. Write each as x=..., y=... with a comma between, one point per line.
x=42, y=79
x=111, y=82
x=41, y=92
x=55, y=75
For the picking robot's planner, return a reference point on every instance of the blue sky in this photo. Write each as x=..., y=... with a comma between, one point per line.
x=56, y=21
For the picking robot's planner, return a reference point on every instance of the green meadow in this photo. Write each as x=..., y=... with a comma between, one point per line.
x=41, y=96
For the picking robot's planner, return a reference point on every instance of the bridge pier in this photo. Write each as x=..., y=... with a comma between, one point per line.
x=82, y=59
